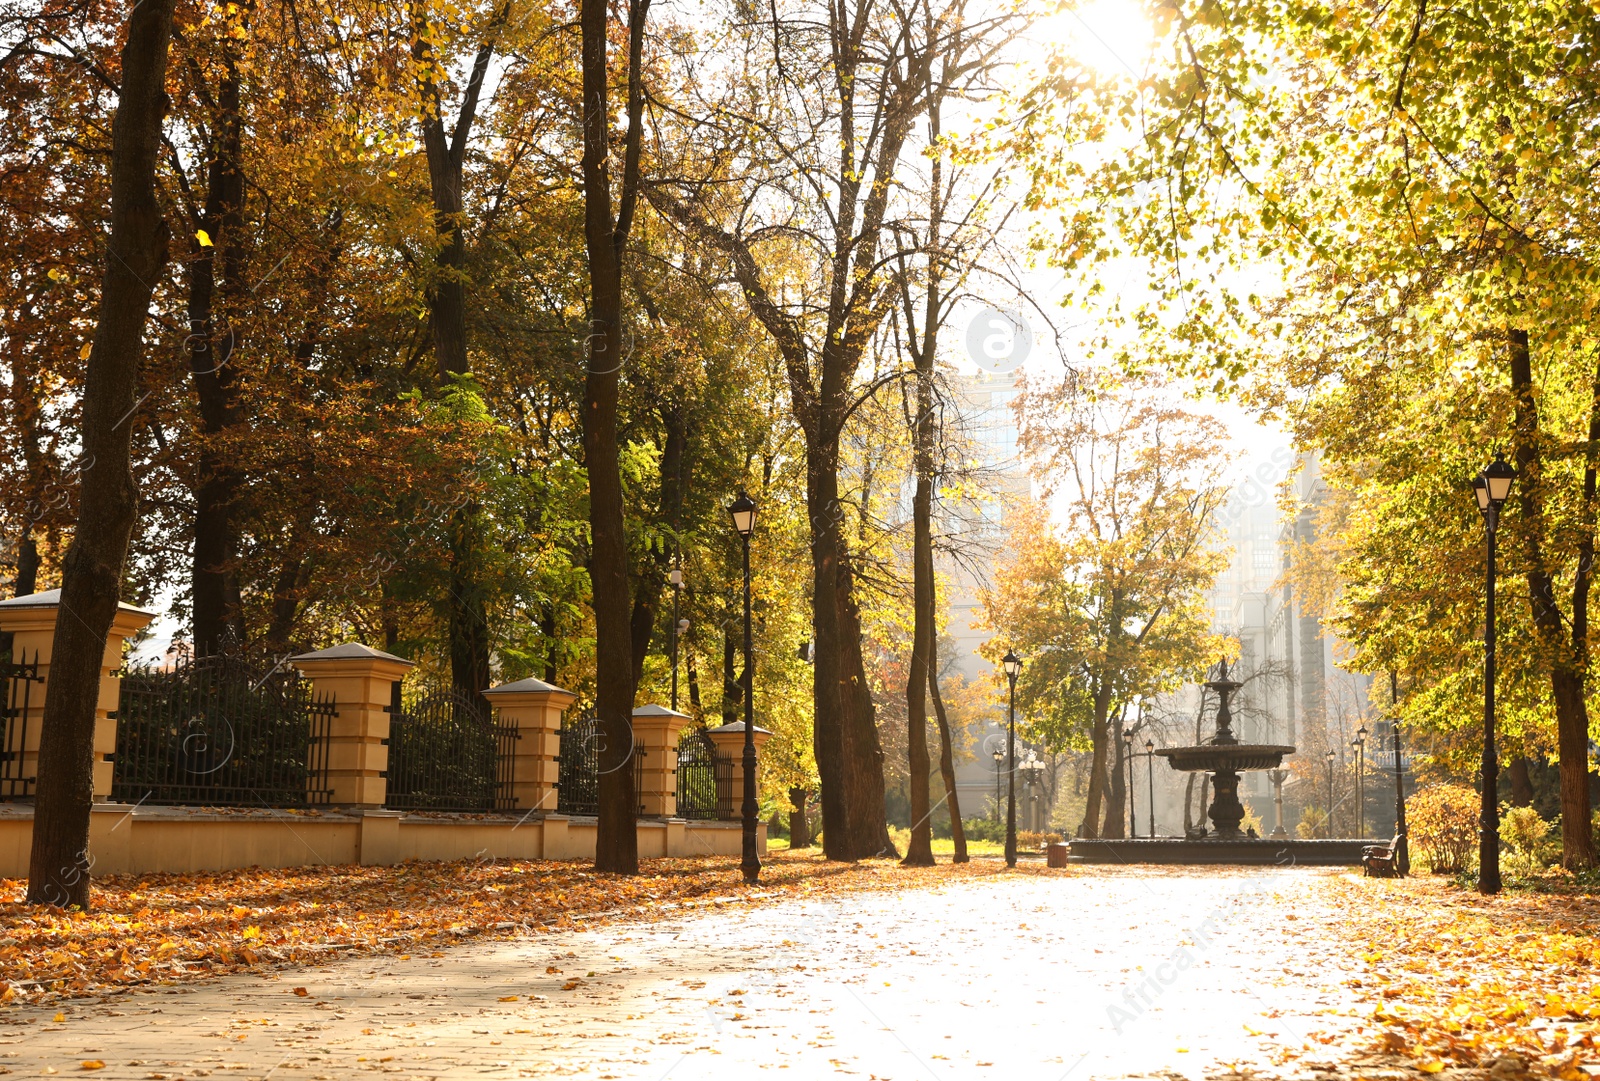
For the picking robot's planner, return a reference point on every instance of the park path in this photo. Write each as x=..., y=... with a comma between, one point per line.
x=1077, y=975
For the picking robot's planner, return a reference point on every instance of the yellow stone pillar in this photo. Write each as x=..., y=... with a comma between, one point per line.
x=535, y=708
x=655, y=736
x=362, y=682
x=729, y=742
x=31, y=621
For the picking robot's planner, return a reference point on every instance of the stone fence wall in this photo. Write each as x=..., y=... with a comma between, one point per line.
x=354, y=827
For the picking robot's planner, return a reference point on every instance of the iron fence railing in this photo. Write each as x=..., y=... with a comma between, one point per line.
x=16, y=692
x=221, y=731
x=449, y=752
x=705, y=778
x=578, y=766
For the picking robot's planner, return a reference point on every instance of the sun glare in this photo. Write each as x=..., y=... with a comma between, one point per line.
x=1113, y=37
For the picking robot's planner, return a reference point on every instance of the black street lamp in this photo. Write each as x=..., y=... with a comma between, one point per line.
x=1013, y=667
x=1330, y=795
x=1127, y=753
x=1150, y=775
x=1360, y=744
x=743, y=512
x=678, y=627
x=1402, y=853
x=1491, y=487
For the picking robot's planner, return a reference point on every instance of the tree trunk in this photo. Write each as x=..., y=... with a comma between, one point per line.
x=1097, y=769
x=468, y=619
x=947, y=764
x=616, y=841
x=58, y=871
x=1521, y=783
x=218, y=266
x=1568, y=658
x=799, y=824
x=653, y=571
x=919, y=852
x=1116, y=824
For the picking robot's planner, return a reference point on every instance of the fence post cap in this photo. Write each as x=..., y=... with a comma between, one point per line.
x=736, y=727
x=532, y=687
x=653, y=710
x=26, y=613
x=351, y=658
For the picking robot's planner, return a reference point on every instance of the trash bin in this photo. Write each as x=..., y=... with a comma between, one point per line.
x=1056, y=853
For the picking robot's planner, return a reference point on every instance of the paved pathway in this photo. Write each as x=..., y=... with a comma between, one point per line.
x=1086, y=975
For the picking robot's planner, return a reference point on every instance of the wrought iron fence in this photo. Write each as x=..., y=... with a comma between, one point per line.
x=16, y=691
x=705, y=778
x=578, y=772
x=448, y=752
x=221, y=731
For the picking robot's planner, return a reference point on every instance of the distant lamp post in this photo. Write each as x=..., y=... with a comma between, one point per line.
x=1491, y=487
x=675, y=576
x=1127, y=755
x=1330, y=795
x=999, y=768
x=743, y=512
x=1013, y=668
x=1360, y=744
x=1402, y=855
x=1032, y=770
x=1150, y=775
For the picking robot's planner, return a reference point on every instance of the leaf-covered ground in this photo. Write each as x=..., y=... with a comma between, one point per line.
x=1455, y=980
x=162, y=928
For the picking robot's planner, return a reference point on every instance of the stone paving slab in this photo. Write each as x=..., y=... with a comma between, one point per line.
x=1092, y=973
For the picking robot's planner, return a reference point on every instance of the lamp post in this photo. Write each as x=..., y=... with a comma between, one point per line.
x=1330, y=794
x=999, y=768
x=743, y=512
x=678, y=627
x=1150, y=775
x=1402, y=852
x=1491, y=487
x=1127, y=753
x=1360, y=744
x=1031, y=768
x=1013, y=667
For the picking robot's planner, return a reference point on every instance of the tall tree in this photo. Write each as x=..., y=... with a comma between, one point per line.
x=136, y=255
x=606, y=241
x=1112, y=606
x=468, y=624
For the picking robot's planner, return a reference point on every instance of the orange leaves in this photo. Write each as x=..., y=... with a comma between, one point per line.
x=1492, y=982
x=166, y=928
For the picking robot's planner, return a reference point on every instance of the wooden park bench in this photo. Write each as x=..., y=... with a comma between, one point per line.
x=1377, y=861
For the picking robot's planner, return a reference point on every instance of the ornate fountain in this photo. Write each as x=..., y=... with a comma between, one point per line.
x=1224, y=757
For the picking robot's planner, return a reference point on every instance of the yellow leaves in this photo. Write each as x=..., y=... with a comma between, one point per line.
x=252, y=932
x=204, y=238
x=509, y=998
x=56, y=274
x=91, y=1064
x=59, y=1018
x=88, y=347
x=1431, y=1066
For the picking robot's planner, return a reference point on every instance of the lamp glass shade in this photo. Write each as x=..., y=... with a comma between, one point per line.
x=683, y=625
x=1011, y=663
x=1330, y=756
x=743, y=512
x=999, y=756
x=675, y=576
x=1499, y=475
x=1149, y=744
x=1480, y=488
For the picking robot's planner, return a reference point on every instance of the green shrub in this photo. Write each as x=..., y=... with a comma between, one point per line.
x=1443, y=819
x=1311, y=823
x=1527, y=834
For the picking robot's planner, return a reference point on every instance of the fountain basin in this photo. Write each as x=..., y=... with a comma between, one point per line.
x=1225, y=757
